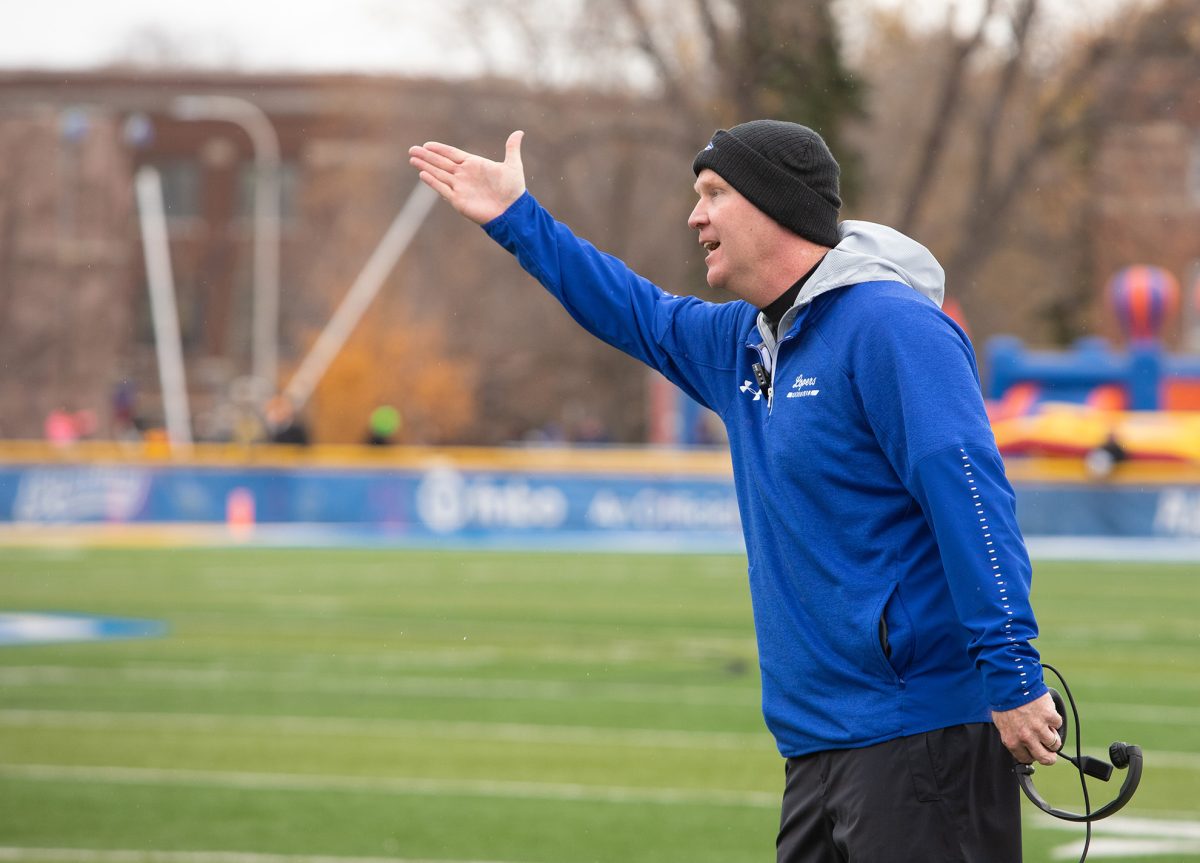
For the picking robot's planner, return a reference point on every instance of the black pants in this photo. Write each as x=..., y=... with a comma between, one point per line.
x=948, y=796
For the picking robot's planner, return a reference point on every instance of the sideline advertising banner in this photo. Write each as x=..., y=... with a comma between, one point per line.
x=443, y=502
x=570, y=500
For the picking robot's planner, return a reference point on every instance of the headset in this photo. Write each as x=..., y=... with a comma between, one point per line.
x=1124, y=756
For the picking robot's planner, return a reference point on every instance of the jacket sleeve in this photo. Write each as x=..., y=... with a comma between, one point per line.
x=691, y=342
x=920, y=389
x=970, y=506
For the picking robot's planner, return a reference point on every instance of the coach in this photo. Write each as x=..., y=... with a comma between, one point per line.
x=890, y=583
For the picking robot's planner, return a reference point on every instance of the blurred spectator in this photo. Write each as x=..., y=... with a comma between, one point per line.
x=86, y=423
x=550, y=433
x=248, y=426
x=1103, y=460
x=591, y=430
x=218, y=424
x=382, y=426
x=283, y=424
x=63, y=427
x=60, y=427
x=124, y=412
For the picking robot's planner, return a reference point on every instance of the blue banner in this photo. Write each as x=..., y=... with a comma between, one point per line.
x=452, y=502
x=439, y=502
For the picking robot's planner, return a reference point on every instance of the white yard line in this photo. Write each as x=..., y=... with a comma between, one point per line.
x=1154, y=714
x=460, y=688
x=383, y=684
x=1162, y=760
x=345, y=726
x=1122, y=826
x=1099, y=548
x=1123, y=838
x=389, y=785
x=97, y=855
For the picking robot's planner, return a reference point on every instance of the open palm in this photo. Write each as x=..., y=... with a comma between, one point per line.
x=478, y=188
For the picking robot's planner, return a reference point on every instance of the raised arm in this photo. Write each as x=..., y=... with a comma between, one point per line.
x=478, y=188
x=693, y=343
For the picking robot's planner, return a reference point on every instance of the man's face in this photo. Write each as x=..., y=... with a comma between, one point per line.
x=742, y=242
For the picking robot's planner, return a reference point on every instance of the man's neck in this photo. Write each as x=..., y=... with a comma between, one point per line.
x=775, y=310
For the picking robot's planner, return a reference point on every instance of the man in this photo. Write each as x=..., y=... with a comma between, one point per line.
x=889, y=580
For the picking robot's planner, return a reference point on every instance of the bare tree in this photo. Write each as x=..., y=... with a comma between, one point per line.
x=724, y=63
x=710, y=62
x=1014, y=117
x=975, y=139
x=995, y=185
x=950, y=98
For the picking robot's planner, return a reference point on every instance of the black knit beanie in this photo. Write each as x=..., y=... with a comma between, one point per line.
x=782, y=168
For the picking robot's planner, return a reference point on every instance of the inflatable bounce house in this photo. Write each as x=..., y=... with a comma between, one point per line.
x=1103, y=404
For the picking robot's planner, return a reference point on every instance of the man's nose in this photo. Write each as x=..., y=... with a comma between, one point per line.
x=698, y=217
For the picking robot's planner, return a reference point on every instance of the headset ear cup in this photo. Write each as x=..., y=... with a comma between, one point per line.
x=1118, y=754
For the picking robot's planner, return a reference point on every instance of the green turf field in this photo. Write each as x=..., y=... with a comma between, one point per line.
x=520, y=708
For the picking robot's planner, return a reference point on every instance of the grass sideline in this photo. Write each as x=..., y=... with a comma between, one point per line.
x=475, y=706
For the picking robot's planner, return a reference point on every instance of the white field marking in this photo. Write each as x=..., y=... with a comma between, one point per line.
x=1130, y=634
x=1091, y=548
x=556, y=791
x=96, y=855
x=1158, y=714
x=586, y=735
x=1125, y=849
x=1122, y=838
x=385, y=659
x=1159, y=828
x=431, y=687
x=1161, y=760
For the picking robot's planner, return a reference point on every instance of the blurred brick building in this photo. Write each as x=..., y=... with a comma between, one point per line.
x=76, y=326
x=457, y=338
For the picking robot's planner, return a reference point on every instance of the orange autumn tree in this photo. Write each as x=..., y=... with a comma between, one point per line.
x=395, y=359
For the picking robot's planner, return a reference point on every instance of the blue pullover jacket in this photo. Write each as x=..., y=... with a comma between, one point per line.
x=889, y=580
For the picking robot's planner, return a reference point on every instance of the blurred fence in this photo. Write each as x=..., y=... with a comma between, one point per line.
x=653, y=499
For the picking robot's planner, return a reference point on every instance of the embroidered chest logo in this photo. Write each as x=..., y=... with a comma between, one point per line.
x=803, y=388
x=748, y=387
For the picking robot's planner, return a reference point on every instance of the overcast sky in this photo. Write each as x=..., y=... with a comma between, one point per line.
x=309, y=35
x=318, y=35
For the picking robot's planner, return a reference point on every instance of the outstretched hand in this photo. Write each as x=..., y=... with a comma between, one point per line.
x=1030, y=732
x=478, y=188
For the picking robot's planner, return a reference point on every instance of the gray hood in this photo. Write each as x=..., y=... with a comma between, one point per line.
x=868, y=252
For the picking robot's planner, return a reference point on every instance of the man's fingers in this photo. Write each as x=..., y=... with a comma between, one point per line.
x=1045, y=756
x=1030, y=732
x=432, y=169
x=1035, y=742
x=477, y=188
x=1040, y=752
x=1035, y=752
x=454, y=154
x=436, y=160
